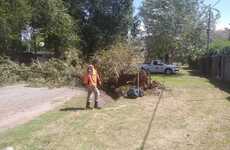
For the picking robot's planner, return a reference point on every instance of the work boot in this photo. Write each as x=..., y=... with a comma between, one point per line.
x=97, y=106
x=88, y=105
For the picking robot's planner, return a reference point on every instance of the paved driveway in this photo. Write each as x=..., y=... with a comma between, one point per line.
x=19, y=103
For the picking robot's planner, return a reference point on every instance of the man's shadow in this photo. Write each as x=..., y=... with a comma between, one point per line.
x=72, y=109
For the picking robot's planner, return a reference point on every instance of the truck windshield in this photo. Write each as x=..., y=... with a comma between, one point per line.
x=155, y=63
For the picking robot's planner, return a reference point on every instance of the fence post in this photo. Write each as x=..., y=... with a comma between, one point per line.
x=222, y=67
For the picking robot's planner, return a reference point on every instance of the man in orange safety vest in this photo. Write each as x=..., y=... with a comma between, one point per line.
x=92, y=81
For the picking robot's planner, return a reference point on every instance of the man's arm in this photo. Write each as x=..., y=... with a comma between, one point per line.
x=99, y=80
x=86, y=80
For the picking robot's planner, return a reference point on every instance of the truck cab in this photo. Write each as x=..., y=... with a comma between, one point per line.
x=157, y=66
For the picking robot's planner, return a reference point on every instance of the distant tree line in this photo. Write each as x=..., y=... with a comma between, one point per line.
x=176, y=29
x=173, y=29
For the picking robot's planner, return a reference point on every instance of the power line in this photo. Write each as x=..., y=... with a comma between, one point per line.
x=217, y=2
x=210, y=8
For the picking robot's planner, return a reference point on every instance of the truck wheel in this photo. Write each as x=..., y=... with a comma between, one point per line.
x=168, y=71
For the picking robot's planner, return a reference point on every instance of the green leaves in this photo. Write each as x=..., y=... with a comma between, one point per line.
x=52, y=20
x=174, y=27
x=101, y=22
x=14, y=16
x=54, y=72
x=86, y=24
x=48, y=18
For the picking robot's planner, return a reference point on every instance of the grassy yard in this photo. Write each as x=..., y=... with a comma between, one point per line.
x=193, y=114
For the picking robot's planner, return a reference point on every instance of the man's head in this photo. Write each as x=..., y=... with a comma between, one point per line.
x=90, y=68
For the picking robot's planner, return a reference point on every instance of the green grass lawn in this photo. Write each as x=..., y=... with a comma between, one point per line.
x=83, y=129
x=193, y=115
x=183, y=79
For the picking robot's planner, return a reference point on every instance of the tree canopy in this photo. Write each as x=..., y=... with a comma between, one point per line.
x=101, y=21
x=14, y=16
x=88, y=25
x=174, y=28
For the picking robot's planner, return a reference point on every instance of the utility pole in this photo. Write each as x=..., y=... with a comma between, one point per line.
x=209, y=27
x=210, y=7
x=228, y=33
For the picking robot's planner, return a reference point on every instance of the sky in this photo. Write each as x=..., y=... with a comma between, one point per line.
x=223, y=6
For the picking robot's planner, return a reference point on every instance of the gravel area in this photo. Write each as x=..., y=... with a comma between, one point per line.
x=19, y=104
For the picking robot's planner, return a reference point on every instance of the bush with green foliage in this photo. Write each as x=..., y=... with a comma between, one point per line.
x=120, y=58
x=54, y=72
x=9, y=71
x=219, y=47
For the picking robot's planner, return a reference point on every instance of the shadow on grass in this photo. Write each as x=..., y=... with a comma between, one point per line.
x=209, y=99
x=72, y=109
x=151, y=121
x=113, y=94
x=179, y=74
x=194, y=72
x=222, y=85
x=228, y=98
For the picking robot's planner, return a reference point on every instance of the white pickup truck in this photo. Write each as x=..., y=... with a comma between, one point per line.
x=156, y=66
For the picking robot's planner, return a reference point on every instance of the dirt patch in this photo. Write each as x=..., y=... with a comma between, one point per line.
x=20, y=104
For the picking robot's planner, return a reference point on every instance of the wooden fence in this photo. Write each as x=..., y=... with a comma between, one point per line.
x=217, y=67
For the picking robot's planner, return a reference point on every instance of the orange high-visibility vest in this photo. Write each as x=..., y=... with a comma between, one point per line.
x=91, y=79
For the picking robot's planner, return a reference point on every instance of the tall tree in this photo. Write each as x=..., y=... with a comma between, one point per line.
x=101, y=21
x=52, y=23
x=174, y=27
x=14, y=17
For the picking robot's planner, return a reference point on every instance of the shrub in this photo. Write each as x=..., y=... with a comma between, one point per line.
x=54, y=72
x=119, y=59
x=9, y=71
